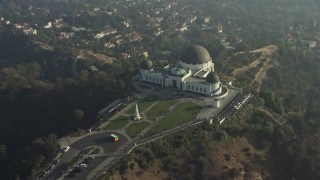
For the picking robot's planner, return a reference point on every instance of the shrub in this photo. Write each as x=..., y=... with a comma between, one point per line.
x=227, y=157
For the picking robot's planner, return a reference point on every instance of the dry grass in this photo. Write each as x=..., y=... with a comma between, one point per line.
x=240, y=151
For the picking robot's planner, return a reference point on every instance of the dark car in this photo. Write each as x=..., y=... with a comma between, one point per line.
x=71, y=175
x=76, y=170
x=86, y=161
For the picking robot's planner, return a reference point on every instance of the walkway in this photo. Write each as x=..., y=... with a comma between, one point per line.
x=206, y=113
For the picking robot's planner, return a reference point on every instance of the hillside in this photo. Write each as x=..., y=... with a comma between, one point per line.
x=271, y=137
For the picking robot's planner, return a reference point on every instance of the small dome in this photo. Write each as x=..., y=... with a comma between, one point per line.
x=146, y=65
x=195, y=55
x=178, y=72
x=212, y=78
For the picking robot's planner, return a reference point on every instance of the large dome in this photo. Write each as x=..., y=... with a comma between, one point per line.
x=195, y=55
x=212, y=78
x=146, y=65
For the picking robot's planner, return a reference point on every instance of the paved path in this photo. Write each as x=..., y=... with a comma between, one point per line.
x=113, y=152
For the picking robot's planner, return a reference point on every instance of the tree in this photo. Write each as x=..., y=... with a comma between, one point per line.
x=272, y=101
x=3, y=149
x=289, y=102
x=77, y=114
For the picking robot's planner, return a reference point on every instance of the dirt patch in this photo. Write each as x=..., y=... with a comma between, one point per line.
x=266, y=62
x=229, y=159
x=44, y=45
x=99, y=57
x=246, y=68
x=273, y=117
x=267, y=50
x=265, y=53
x=154, y=172
x=233, y=155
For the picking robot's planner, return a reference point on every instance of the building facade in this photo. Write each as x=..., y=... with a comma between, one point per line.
x=193, y=73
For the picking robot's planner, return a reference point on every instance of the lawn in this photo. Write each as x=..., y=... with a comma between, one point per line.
x=135, y=128
x=143, y=104
x=181, y=114
x=118, y=123
x=159, y=108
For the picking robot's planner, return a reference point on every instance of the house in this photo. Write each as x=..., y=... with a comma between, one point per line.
x=19, y=26
x=125, y=56
x=145, y=54
x=310, y=44
x=125, y=24
x=49, y=25
x=183, y=29
x=66, y=35
x=191, y=19
x=109, y=45
x=30, y=31
x=134, y=37
x=158, y=32
x=206, y=20
x=106, y=32
x=219, y=28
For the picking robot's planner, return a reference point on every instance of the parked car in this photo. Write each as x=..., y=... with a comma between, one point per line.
x=66, y=149
x=71, y=175
x=83, y=165
x=76, y=170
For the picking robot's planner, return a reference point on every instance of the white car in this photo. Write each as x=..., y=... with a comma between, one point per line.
x=82, y=165
x=66, y=149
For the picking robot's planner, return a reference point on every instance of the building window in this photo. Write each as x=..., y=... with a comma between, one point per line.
x=200, y=89
x=192, y=88
x=157, y=80
x=150, y=78
x=188, y=86
x=196, y=88
x=153, y=80
x=204, y=90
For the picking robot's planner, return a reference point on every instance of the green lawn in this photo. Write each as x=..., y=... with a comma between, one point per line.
x=183, y=113
x=143, y=104
x=159, y=108
x=118, y=123
x=135, y=128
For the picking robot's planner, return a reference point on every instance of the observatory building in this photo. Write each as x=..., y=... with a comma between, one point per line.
x=193, y=73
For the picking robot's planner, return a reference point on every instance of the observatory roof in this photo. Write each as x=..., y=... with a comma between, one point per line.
x=146, y=64
x=212, y=78
x=195, y=55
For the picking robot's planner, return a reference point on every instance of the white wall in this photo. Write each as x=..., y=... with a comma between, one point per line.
x=148, y=76
x=201, y=88
x=195, y=67
x=170, y=80
x=198, y=88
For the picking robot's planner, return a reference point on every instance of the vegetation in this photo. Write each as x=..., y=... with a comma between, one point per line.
x=143, y=104
x=40, y=96
x=135, y=128
x=45, y=93
x=181, y=114
x=159, y=108
x=118, y=123
x=272, y=102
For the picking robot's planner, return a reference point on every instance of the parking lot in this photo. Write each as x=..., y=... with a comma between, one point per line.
x=97, y=139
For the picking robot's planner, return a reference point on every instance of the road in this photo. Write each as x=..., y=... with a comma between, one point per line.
x=100, y=139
